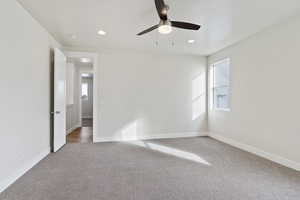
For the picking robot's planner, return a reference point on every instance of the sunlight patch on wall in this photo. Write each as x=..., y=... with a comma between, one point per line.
x=199, y=96
x=129, y=132
x=171, y=151
x=199, y=107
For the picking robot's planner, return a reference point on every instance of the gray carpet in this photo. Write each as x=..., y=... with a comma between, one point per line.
x=196, y=169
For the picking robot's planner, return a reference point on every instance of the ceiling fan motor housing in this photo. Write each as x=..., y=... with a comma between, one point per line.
x=165, y=10
x=165, y=23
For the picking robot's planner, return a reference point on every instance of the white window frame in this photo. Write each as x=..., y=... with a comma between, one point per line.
x=212, y=87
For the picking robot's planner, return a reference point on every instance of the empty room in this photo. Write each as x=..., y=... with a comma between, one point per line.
x=150, y=100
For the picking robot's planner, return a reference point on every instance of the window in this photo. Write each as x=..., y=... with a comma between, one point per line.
x=84, y=90
x=220, y=85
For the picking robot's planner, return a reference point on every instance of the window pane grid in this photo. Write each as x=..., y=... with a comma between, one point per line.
x=84, y=90
x=220, y=84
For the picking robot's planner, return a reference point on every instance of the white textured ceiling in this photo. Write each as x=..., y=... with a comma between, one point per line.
x=224, y=22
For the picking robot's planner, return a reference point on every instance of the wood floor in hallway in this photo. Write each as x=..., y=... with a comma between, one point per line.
x=83, y=134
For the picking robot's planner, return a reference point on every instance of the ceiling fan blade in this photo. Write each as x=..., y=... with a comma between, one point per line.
x=185, y=25
x=161, y=9
x=148, y=30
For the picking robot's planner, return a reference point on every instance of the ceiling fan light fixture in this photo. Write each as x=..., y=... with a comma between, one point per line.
x=165, y=29
x=165, y=26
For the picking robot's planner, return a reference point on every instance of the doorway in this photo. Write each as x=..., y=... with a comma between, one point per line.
x=84, y=134
x=80, y=90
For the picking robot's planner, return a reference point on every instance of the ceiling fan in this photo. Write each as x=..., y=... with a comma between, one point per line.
x=165, y=25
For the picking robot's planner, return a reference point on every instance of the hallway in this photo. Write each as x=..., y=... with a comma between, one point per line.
x=82, y=134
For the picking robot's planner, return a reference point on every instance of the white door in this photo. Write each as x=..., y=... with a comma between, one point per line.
x=59, y=113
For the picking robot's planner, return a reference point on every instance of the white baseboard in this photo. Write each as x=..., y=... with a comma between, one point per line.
x=153, y=136
x=4, y=184
x=72, y=129
x=256, y=151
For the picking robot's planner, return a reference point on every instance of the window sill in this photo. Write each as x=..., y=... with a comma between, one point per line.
x=222, y=109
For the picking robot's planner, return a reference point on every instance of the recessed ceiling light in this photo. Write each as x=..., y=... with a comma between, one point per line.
x=101, y=32
x=73, y=36
x=85, y=75
x=85, y=60
x=191, y=41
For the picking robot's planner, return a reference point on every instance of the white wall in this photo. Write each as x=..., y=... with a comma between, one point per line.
x=150, y=95
x=265, y=92
x=70, y=81
x=25, y=91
